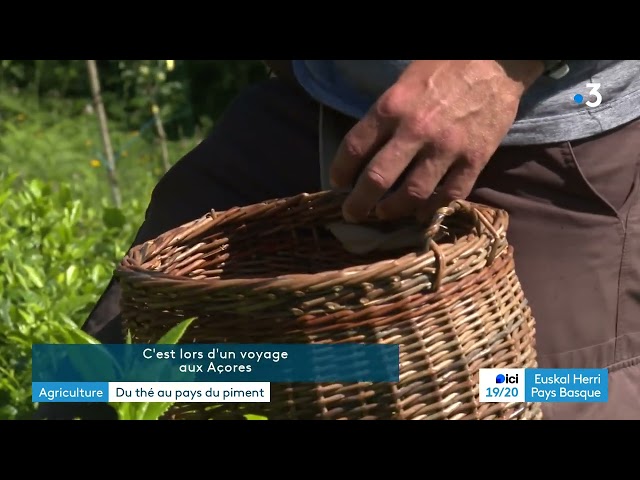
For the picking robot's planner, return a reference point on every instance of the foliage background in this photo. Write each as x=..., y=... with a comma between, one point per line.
x=60, y=234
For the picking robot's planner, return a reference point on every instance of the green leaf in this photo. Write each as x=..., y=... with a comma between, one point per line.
x=151, y=410
x=165, y=370
x=33, y=276
x=124, y=410
x=113, y=217
x=83, y=338
x=105, y=363
x=155, y=410
x=8, y=412
x=105, y=366
x=250, y=416
x=70, y=274
x=174, y=335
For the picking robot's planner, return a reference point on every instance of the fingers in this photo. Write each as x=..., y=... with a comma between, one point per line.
x=378, y=177
x=457, y=185
x=357, y=148
x=431, y=183
x=381, y=148
x=425, y=173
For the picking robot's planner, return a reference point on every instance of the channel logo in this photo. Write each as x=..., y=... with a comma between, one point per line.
x=501, y=385
x=594, y=94
x=502, y=378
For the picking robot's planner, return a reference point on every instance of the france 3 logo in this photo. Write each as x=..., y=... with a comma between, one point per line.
x=593, y=97
x=499, y=385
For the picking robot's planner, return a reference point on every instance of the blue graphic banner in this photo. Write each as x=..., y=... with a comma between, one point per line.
x=566, y=385
x=97, y=392
x=215, y=363
x=545, y=385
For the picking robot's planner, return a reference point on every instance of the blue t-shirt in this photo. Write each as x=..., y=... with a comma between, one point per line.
x=551, y=110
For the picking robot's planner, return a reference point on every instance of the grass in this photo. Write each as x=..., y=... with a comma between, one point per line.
x=60, y=235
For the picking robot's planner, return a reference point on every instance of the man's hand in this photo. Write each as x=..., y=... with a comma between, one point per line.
x=438, y=125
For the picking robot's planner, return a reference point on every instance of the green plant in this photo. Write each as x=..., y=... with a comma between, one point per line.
x=132, y=410
x=152, y=410
x=57, y=256
x=60, y=238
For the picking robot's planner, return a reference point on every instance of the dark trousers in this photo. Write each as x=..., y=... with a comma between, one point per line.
x=574, y=223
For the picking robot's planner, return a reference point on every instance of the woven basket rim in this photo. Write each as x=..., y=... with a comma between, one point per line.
x=128, y=267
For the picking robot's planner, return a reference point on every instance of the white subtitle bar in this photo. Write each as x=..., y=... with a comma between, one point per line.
x=213, y=392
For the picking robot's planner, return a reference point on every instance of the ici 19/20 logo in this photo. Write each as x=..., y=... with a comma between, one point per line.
x=594, y=93
x=501, y=378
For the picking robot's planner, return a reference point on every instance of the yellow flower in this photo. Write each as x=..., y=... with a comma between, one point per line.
x=171, y=64
x=94, y=163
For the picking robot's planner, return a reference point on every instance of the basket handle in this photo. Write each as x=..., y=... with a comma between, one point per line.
x=480, y=222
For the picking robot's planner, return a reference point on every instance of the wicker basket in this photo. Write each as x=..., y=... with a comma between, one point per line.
x=271, y=273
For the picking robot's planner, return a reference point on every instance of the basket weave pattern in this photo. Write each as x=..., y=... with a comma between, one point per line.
x=270, y=273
